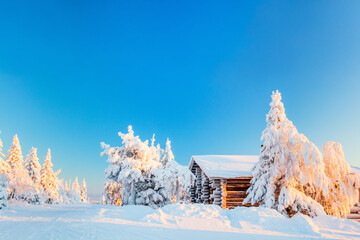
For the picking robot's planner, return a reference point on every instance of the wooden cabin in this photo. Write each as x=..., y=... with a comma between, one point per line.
x=355, y=211
x=221, y=179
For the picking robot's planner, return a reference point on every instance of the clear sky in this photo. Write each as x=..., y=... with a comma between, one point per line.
x=75, y=73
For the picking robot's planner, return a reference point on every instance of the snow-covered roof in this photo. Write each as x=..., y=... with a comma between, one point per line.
x=225, y=166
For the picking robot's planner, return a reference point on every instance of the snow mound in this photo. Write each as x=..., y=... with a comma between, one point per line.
x=202, y=217
x=193, y=216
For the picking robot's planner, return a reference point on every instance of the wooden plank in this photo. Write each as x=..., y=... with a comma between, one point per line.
x=235, y=199
x=353, y=216
x=239, y=178
x=237, y=189
x=229, y=185
x=235, y=194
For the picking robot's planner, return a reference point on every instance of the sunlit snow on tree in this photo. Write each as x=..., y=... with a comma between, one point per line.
x=140, y=174
x=291, y=175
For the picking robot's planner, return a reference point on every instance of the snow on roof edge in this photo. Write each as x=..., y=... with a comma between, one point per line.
x=225, y=166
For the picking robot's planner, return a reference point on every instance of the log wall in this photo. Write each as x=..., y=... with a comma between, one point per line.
x=234, y=192
x=227, y=193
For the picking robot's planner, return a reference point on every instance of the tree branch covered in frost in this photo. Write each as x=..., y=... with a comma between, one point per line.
x=140, y=174
x=291, y=174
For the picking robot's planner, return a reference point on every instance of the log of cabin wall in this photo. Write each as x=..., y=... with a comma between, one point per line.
x=193, y=188
x=234, y=192
x=198, y=184
x=216, y=193
x=205, y=191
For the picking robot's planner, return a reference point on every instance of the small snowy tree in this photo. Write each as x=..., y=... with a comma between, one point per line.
x=33, y=166
x=175, y=178
x=63, y=192
x=83, y=192
x=290, y=174
x=75, y=193
x=3, y=191
x=49, y=181
x=4, y=166
x=343, y=186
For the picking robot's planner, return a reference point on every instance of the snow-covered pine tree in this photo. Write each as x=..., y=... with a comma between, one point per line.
x=175, y=178
x=132, y=166
x=343, y=185
x=49, y=181
x=75, y=193
x=168, y=155
x=15, y=157
x=33, y=166
x=4, y=166
x=3, y=191
x=21, y=187
x=83, y=192
x=290, y=174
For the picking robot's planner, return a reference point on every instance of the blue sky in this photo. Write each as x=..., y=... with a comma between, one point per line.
x=74, y=73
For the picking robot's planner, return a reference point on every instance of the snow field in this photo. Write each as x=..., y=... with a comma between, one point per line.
x=175, y=221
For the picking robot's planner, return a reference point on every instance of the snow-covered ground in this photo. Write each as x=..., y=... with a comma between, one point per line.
x=93, y=221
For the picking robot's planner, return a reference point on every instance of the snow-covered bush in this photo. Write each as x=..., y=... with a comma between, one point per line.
x=49, y=181
x=137, y=173
x=291, y=174
x=21, y=187
x=3, y=191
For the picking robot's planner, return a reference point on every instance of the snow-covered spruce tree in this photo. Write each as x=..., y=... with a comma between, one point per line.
x=49, y=181
x=83, y=192
x=75, y=193
x=343, y=185
x=290, y=174
x=3, y=191
x=33, y=166
x=176, y=179
x=15, y=157
x=20, y=188
x=4, y=166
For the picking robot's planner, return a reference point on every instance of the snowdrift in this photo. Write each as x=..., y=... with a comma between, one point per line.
x=178, y=221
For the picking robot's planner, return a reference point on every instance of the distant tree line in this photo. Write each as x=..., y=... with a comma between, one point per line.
x=27, y=182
